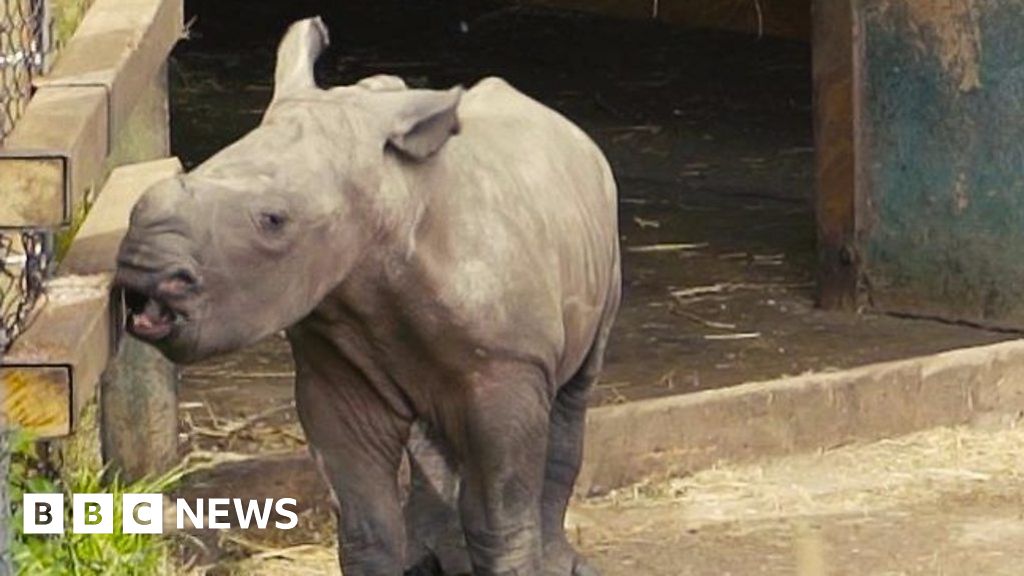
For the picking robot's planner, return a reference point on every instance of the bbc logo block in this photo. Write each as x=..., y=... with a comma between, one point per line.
x=93, y=513
x=144, y=513
x=44, y=514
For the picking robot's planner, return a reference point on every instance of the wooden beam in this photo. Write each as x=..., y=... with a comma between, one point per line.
x=54, y=157
x=119, y=46
x=94, y=249
x=52, y=163
x=37, y=399
x=834, y=134
x=59, y=359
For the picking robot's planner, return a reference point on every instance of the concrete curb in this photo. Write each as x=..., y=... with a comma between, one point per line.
x=680, y=434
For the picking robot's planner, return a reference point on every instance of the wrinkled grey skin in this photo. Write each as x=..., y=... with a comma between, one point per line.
x=446, y=265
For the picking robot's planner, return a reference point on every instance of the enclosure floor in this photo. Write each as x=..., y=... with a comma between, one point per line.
x=940, y=502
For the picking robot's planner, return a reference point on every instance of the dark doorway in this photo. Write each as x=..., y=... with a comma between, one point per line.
x=709, y=133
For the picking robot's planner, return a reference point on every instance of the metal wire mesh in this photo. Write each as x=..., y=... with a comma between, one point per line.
x=24, y=264
x=23, y=47
x=24, y=255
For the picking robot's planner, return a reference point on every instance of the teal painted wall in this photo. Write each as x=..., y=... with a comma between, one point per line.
x=941, y=207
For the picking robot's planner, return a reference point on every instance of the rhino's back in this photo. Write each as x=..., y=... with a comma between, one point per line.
x=532, y=168
x=520, y=237
x=505, y=126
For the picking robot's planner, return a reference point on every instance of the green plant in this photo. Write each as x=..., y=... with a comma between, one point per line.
x=67, y=14
x=83, y=554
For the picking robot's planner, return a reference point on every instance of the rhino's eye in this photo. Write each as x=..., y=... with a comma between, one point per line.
x=272, y=221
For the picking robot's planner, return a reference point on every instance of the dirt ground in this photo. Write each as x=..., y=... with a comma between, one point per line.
x=940, y=502
x=709, y=135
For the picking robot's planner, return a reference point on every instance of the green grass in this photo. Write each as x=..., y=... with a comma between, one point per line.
x=67, y=14
x=84, y=554
x=63, y=238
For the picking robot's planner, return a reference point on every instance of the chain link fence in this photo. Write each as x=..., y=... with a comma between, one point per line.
x=24, y=263
x=24, y=40
x=25, y=43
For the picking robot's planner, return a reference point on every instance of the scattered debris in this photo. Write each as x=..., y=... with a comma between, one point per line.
x=694, y=169
x=733, y=256
x=667, y=247
x=232, y=428
x=637, y=201
x=668, y=380
x=858, y=478
x=735, y=336
x=235, y=374
x=643, y=128
x=769, y=259
x=613, y=394
x=205, y=459
x=261, y=551
x=685, y=293
x=645, y=223
x=703, y=321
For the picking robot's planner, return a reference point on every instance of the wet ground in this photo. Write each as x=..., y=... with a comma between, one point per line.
x=709, y=135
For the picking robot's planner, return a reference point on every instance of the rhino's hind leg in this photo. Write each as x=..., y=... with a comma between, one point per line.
x=565, y=455
x=503, y=443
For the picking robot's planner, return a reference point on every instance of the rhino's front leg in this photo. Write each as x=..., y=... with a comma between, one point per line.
x=358, y=445
x=504, y=444
x=432, y=517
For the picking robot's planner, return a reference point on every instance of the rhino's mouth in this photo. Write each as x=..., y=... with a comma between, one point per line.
x=150, y=317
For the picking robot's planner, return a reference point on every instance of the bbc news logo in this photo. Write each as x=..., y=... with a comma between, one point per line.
x=144, y=513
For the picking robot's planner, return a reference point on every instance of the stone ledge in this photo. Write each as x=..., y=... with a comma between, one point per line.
x=678, y=435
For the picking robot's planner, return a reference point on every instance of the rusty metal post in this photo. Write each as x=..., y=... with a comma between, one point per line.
x=835, y=149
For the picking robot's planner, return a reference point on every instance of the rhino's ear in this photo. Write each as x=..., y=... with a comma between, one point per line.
x=418, y=122
x=298, y=51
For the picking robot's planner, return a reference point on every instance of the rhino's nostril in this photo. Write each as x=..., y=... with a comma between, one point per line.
x=179, y=282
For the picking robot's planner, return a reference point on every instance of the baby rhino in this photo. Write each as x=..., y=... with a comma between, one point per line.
x=446, y=266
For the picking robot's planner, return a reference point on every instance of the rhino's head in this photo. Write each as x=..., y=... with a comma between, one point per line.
x=252, y=240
